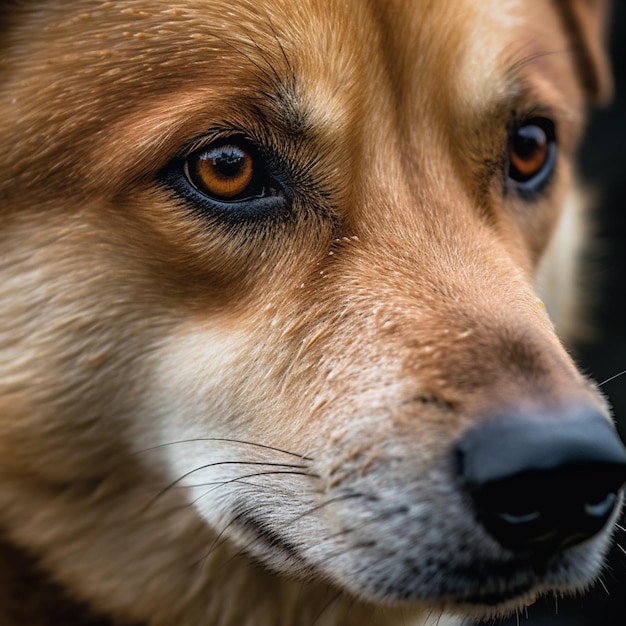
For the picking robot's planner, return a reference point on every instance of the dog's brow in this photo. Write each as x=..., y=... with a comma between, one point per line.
x=515, y=68
x=536, y=88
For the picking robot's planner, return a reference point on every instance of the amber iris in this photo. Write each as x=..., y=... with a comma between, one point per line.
x=529, y=152
x=224, y=172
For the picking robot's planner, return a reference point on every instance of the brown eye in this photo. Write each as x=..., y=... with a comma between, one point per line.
x=226, y=172
x=233, y=180
x=532, y=154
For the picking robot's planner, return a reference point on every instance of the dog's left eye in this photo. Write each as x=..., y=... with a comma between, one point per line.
x=531, y=155
x=228, y=179
x=227, y=172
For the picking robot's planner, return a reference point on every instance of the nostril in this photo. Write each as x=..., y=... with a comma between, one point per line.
x=603, y=508
x=539, y=484
x=549, y=509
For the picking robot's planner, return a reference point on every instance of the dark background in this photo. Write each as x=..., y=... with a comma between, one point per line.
x=603, y=164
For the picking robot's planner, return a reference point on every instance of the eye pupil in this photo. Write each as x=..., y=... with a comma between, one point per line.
x=529, y=143
x=230, y=163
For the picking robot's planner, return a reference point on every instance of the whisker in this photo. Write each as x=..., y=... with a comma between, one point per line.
x=268, y=75
x=219, y=463
x=243, y=552
x=327, y=606
x=218, y=541
x=601, y=581
x=608, y=380
x=266, y=57
x=228, y=440
x=289, y=65
x=241, y=479
x=556, y=604
x=349, y=608
x=432, y=616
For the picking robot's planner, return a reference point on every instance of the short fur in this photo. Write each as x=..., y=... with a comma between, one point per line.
x=216, y=421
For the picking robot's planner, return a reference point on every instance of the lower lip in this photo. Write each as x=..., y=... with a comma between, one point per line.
x=522, y=595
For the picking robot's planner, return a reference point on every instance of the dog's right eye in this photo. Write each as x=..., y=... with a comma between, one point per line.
x=228, y=178
x=531, y=155
x=226, y=172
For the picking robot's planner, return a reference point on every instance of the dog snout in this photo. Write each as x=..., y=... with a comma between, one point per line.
x=541, y=483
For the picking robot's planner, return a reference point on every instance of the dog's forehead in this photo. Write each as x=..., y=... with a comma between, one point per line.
x=325, y=46
x=477, y=52
x=334, y=54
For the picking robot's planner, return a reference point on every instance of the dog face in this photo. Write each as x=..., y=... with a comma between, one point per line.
x=264, y=266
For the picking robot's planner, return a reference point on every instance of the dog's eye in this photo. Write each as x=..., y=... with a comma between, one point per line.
x=226, y=172
x=230, y=179
x=531, y=155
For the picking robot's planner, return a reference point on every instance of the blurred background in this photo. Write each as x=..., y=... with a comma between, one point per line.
x=603, y=165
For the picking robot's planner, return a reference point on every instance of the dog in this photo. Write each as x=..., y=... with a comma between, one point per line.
x=272, y=349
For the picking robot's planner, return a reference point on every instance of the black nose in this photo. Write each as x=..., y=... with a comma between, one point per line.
x=541, y=483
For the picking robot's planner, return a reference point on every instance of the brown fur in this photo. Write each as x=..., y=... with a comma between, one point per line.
x=357, y=336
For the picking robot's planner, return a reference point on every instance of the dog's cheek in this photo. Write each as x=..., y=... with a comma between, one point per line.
x=223, y=424
x=77, y=343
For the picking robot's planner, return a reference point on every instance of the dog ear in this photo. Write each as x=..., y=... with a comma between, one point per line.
x=586, y=22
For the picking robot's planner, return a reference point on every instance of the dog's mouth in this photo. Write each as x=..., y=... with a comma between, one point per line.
x=476, y=582
x=498, y=589
x=499, y=600
x=496, y=597
x=487, y=589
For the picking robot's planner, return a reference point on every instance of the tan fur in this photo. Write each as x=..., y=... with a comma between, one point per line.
x=349, y=343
